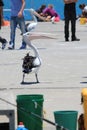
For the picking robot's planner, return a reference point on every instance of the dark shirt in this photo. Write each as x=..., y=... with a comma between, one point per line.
x=70, y=11
x=1, y=3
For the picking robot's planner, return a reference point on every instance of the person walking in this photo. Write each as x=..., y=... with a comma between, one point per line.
x=70, y=15
x=17, y=18
x=2, y=40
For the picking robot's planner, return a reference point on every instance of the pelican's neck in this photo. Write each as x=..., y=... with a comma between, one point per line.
x=32, y=14
x=36, y=53
x=28, y=42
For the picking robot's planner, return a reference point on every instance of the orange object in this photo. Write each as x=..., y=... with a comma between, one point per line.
x=5, y=23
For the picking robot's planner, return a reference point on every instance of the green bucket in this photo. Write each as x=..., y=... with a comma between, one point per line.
x=27, y=105
x=67, y=119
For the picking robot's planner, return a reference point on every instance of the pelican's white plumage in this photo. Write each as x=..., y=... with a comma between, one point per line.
x=32, y=25
x=28, y=37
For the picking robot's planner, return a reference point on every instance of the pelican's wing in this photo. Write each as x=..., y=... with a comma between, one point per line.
x=38, y=36
x=34, y=36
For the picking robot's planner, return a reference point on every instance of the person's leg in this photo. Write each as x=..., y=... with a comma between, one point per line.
x=73, y=28
x=0, y=17
x=13, y=25
x=66, y=29
x=2, y=40
x=66, y=26
x=21, y=23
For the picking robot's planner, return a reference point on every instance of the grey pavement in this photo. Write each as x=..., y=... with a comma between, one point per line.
x=62, y=75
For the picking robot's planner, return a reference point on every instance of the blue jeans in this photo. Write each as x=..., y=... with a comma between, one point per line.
x=13, y=24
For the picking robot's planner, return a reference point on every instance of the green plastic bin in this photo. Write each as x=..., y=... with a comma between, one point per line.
x=30, y=104
x=67, y=119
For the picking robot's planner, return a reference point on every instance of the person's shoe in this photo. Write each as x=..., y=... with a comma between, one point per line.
x=22, y=47
x=4, y=44
x=75, y=39
x=66, y=40
x=10, y=47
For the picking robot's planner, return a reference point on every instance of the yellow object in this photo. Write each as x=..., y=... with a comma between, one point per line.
x=84, y=96
x=82, y=20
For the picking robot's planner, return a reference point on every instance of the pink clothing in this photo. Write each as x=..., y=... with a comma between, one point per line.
x=50, y=12
x=57, y=19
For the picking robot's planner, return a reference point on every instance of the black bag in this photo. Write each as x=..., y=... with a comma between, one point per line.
x=81, y=122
